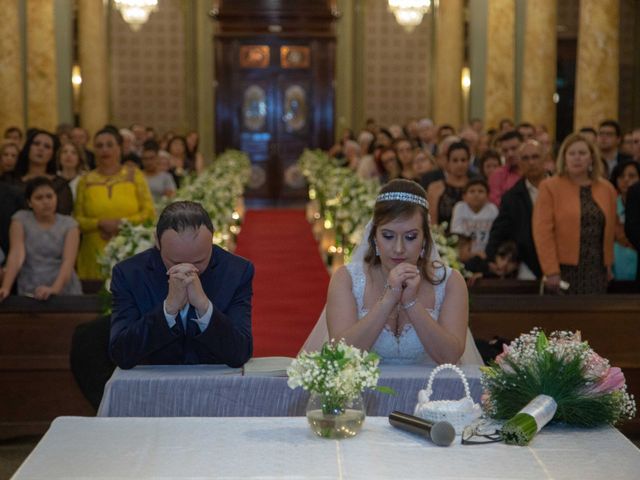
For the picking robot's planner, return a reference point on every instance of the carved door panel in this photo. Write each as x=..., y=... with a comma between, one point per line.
x=274, y=99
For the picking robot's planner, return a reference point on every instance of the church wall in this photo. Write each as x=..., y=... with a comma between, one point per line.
x=148, y=70
x=397, y=67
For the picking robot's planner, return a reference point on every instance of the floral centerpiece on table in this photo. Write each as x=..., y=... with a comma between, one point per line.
x=538, y=379
x=337, y=375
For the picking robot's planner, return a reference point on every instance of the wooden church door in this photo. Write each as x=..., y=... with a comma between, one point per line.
x=274, y=94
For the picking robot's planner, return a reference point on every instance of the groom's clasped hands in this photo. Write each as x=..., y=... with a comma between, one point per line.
x=185, y=287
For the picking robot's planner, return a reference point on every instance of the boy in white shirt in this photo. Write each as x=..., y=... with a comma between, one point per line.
x=474, y=215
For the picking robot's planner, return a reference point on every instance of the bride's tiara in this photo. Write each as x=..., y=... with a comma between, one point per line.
x=402, y=197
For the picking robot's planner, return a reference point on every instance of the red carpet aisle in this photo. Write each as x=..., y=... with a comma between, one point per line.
x=290, y=284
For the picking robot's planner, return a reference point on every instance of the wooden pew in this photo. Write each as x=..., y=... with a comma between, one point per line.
x=36, y=384
x=610, y=323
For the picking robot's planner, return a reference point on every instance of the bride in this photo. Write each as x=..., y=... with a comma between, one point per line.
x=396, y=298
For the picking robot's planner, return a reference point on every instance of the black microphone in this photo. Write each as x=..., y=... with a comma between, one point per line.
x=440, y=433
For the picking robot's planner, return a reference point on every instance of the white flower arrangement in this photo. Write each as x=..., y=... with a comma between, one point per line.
x=338, y=372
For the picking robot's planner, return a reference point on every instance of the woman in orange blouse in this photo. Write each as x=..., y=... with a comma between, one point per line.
x=105, y=197
x=574, y=219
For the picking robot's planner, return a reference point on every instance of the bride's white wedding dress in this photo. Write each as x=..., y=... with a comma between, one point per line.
x=405, y=348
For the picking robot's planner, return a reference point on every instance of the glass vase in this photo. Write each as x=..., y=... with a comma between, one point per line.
x=331, y=418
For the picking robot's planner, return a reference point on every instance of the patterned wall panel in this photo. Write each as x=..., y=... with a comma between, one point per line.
x=629, y=41
x=148, y=79
x=397, y=77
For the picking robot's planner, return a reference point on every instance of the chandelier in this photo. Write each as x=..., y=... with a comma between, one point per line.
x=136, y=12
x=409, y=13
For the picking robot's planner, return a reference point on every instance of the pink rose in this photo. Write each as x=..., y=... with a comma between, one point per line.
x=500, y=359
x=613, y=380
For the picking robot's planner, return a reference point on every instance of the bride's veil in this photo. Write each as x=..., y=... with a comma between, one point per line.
x=320, y=333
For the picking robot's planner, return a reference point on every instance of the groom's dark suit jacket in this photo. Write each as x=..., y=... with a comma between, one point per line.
x=514, y=223
x=139, y=330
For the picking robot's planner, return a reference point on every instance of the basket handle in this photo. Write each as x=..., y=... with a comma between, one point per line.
x=448, y=366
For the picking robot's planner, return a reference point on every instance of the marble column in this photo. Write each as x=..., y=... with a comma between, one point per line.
x=539, y=65
x=597, y=73
x=11, y=80
x=447, y=98
x=500, y=69
x=42, y=73
x=93, y=56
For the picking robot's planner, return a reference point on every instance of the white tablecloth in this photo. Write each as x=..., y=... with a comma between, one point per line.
x=217, y=391
x=270, y=448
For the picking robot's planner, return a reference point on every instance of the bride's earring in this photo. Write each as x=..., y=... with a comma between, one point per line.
x=422, y=251
x=377, y=251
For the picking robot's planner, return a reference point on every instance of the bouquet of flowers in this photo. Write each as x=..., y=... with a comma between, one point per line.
x=538, y=379
x=338, y=373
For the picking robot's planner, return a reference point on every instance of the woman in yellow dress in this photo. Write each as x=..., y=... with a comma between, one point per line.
x=105, y=197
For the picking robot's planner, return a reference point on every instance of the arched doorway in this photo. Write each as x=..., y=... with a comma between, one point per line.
x=274, y=87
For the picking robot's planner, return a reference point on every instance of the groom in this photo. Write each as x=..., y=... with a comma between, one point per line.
x=184, y=301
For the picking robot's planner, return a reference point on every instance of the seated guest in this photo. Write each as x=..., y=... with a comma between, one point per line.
x=505, y=263
x=38, y=158
x=632, y=220
x=129, y=155
x=508, y=175
x=608, y=141
x=625, y=257
x=474, y=215
x=440, y=161
x=9, y=152
x=181, y=164
x=43, y=247
x=184, y=301
x=423, y=162
x=474, y=264
x=404, y=151
x=351, y=155
x=513, y=222
x=11, y=200
x=444, y=194
x=489, y=162
x=160, y=182
x=13, y=135
x=194, y=156
x=589, y=133
x=106, y=196
x=574, y=221
x=80, y=138
x=390, y=165
x=71, y=165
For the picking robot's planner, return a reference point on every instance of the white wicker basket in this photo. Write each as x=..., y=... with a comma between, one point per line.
x=458, y=413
